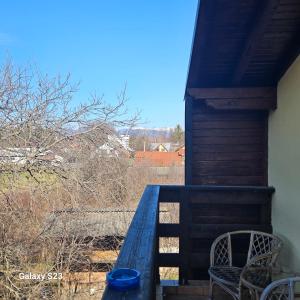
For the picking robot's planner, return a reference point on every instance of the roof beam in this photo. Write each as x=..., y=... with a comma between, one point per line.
x=262, y=98
x=240, y=92
x=265, y=12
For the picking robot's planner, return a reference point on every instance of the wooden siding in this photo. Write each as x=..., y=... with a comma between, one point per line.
x=228, y=147
x=243, y=43
x=205, y=213
x=212, y=213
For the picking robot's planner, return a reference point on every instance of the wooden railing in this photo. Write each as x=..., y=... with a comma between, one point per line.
x=175, y=194
x=139, y=248
x=204, y=213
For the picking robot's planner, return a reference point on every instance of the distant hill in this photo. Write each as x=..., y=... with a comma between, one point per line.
x=151, y=132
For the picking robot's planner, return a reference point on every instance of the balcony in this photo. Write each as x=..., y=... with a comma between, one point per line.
x=204, y=213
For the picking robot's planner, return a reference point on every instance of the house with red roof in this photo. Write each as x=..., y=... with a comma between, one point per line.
x=159, y=159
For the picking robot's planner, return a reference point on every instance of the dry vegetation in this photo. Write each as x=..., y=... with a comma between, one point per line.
x=49, y=161
x=57, y=166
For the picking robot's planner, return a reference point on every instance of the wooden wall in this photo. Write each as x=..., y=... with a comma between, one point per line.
x=225, y=169
x=227, y=144
x=216, y=212
x=207, y=212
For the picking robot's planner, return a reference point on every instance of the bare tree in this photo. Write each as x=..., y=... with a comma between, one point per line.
x=37, y=112
x=50, y=158
x=57, y=156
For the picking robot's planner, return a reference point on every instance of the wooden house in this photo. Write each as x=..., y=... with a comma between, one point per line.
x=242, y=160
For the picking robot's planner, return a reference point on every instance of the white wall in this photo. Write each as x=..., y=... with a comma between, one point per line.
x=284, y=165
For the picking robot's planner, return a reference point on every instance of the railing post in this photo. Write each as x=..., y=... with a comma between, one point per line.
x=184, y=237
x=156, y=268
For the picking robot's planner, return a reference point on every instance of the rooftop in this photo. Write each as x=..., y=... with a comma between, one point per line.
x=243, y=43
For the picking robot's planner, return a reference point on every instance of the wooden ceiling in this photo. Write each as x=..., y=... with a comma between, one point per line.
x=243, y=42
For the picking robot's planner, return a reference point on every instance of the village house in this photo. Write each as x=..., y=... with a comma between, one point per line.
x=158, y=159
x=115, y=146
x=161, y=147
x=21, y=156
x=161, y=155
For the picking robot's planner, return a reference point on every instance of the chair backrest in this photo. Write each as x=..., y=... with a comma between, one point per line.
x=283, y=289
x=263, y=248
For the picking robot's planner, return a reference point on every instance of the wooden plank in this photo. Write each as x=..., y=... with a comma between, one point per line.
x=205, y=17
x=230, y=197
x=286, y=15
x=214, y=230
x=168, y=260
x=266, y=152
x=227, y=156
x=201, y=259
x=243, y=104
x=226, y=210
x=188, y=140
x=169, y=194
x=202, y=274
x=265, y=11
x=184, y=243
x=229, y=180
x=253, y=189
x=241, y=30
x=199, y=115
x=209, y=166
x=249, y=164
x=138, y=250
x=156, y=265
x=227, y=170
x=229, y=124
x=228, y=148
x=232, y=93
x=205, y=171
x=225, y=219
x=233, y=132
x=168, y=230
x=200, y=245
x=233, y=140
x=266, y=212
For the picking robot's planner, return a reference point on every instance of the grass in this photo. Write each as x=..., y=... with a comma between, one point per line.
x=23, y=179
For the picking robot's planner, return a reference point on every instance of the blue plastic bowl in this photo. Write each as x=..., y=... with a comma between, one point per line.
x=123, y=279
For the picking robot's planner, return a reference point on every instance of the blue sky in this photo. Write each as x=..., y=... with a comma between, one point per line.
x=105, y=44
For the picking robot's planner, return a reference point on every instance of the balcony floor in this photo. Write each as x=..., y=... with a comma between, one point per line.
x=190, y=297
x=196, y=290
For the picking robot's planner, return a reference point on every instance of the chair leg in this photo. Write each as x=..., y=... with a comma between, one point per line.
x=211, y=287
x=211, y=284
